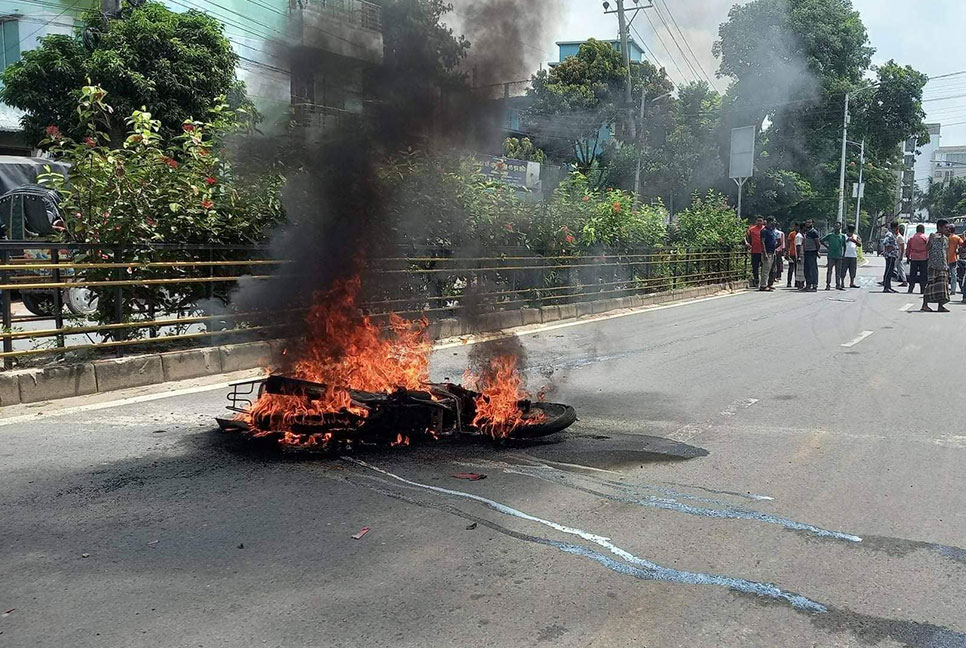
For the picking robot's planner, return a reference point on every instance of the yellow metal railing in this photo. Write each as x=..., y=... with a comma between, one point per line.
x=437, y=285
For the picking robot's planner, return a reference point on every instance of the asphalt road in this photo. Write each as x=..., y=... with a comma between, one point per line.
x=738, y=477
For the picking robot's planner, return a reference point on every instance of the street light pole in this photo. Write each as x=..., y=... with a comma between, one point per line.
x=845, y=143
x=626, y=54
x=858, y=201
x=640, y=141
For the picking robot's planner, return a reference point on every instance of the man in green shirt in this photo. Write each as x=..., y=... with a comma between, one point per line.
x=835, y=242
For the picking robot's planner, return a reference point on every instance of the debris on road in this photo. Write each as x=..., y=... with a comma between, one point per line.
x=85, y=555
x=361, y=533
x=10, y=611
x=470, y=527
x=470, y=476
x=241, y=545
x=153, y=542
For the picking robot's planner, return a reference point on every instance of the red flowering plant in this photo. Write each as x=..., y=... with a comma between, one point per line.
x=150, y=189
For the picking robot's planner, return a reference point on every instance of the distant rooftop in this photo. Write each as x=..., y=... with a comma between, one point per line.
x=570, y=48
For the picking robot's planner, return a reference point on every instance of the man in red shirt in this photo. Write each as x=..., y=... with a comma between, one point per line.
x=917, y=252
x=952, y=257
x=753, y=242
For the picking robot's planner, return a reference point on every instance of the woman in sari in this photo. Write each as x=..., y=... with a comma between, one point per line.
x=937, y=282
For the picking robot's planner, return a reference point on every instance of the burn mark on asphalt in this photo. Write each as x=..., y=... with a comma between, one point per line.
x=629, y=564
x=751, y=496
x=872, y=630
x=900, y=547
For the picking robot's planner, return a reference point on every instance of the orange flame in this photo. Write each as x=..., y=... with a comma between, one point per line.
x=498, y=407
x=344, y=349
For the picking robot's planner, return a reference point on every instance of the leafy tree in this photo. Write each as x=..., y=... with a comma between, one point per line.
x=576, y=101
x=776, y=193
x=945, y=199
x=680, y=154
x=791, y=63
x=172, y=64
x=708, y=222
x=155, y=188
x=420, y=62
x=523, y=149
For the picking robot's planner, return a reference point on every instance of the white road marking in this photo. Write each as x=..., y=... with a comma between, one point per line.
x=567, y=465
x=906, y=308
x=476, y=339
x=744, y=403
x=144, y=398
x=857, y=339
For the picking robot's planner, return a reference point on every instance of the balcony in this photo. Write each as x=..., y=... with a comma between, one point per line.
x=348, y=28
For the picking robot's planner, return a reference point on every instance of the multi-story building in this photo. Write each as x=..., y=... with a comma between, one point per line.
x=22, y=24
x=570, y=48
x=916, y=173
x=948, y=162
x=303, y=61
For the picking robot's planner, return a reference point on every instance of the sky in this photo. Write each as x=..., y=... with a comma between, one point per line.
x=926, y=34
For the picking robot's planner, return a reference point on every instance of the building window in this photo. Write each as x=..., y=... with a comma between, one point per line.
x=9, y=42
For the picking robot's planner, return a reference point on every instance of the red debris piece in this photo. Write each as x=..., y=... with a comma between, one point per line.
x=9, y=611
x=361, y=533
x=470, y=476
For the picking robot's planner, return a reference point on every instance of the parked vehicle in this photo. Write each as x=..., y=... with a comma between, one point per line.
x=31, y=213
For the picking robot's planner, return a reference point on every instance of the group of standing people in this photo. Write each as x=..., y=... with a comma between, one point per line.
x=802, y=248
x=937, y=263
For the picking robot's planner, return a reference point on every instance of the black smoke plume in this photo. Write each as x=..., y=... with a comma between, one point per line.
x=506, y=36
x=341, y=214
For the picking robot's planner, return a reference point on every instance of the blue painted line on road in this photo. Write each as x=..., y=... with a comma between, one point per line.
x=637, y=566
x=671, y=504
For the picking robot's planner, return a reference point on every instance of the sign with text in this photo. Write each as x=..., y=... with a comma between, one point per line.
x=742, y=152
x=512, y=172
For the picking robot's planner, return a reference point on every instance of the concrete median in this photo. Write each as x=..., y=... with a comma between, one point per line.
x=193, y=363
x=51, y=383
x=121, y=373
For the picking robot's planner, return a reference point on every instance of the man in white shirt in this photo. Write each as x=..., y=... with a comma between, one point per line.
x=800, y=258
x=900, y=269
x=850, y=263
x=779, y=267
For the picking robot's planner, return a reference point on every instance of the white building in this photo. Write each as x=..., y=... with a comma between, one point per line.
x=917, y=171
x=948, y=162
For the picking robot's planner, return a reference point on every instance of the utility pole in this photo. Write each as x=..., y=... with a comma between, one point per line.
x=109, y=9
x=845, y=143
x=640, y=151
x=626, y=53
x=858, y=202
x=640, y=140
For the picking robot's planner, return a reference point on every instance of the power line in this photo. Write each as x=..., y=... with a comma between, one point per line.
x=649, y=51
x=709, y=77
x=946, y=76
x=48, y=22
x=664, y=45
x=959, y=96
x=674, y=40
x=688, y=44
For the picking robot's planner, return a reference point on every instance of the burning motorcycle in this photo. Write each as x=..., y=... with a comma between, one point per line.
x=294, y=419
x=352, y=381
